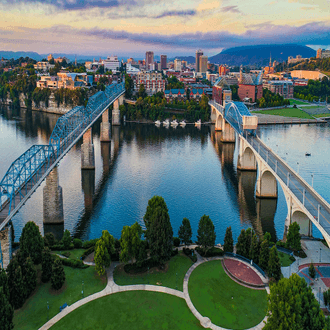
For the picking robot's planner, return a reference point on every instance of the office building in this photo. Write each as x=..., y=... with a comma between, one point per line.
x=282, y=87
x=177, y=65
x=149, y=59
x=323, y=53
x=199, y=53
x=111, y=63
x=163, y=62
x=203, y=63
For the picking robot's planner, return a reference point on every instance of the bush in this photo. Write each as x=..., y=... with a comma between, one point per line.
x=190, y=253
x=73, y=263
x=281, y=244
x=49, y=239
x=87, y=252
x=66, y=254
x=213, y=252
x=174, y=252
x=90, y=243
x=77, y=243
x=58, y=275
x=66, y=240
x=176, y=241
x=292, y=258
x=134, y=269
x=300, y=254
x=57, y=247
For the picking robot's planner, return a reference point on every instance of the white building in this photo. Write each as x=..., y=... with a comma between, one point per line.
x=111, y=63
x=131, y=69
x=177, y=65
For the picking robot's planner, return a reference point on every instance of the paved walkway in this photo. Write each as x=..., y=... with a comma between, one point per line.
x=112, y=288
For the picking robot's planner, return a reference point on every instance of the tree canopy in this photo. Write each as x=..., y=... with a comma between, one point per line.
x=228, y=245
x=206, y=233
x=185, y=231
x=293, y=237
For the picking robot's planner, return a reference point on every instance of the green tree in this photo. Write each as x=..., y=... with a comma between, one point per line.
x=6, y=312
x=46, y=265
x=142, y=253
x=31, y=242
x=129, y=86
x=15, y=284
x=292, y=306
x=274, y=264
x=142, y=91
x=58, y=275
x=49, y=239
x=248, y=240
x=264, y=255
x=228, y=245
x=109, y=241
x=311, y=271
x=159, y=232
x=130, y=241
x=67, y=239
x=4, y=282
x=101, y=257
x=241, y=244
x=185, y=231
x=30, y=276
x=206, y=233
x=255, y=249
x=293, y=237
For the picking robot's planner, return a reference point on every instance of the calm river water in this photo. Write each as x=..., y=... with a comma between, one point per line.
x=194, y=173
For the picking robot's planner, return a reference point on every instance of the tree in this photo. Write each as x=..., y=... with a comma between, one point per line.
x=228, y=245
x=129, y=86
x=264, y=255
x=130, y=242
x=66, y=239
x=159, y=232
x=109, y=241
x=293, y=237
x=142, y=253
x=254, y=249
x=292, y=306
x=49, y=239
x=101, y=257
x=311, y=271
x=185, y=231
x=15, y=284
x=6, y=312
x=46, y=265
x=30, y=276
x=31, y=242
x=274, y=264
x=4, y=282
x=206, y=233
x=142, y=91
x=248, y=240
x=241, y=244
x=58, y=275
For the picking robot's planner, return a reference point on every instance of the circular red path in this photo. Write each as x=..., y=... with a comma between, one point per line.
x=242, y=271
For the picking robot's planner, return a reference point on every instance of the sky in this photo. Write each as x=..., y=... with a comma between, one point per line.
x=172, y=27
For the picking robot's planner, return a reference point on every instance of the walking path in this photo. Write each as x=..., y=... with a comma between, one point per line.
x=112, y=288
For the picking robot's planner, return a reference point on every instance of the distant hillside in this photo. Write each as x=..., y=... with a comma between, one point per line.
x=259, y=55
x=16, y=55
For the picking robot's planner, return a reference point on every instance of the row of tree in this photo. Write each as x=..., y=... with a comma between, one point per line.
x=314, y=91
x=270, y=99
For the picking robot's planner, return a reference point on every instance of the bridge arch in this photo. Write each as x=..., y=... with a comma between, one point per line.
x=218, y=122
x=303, y=221
x=213, y=114
x=266, y=185
x=247, y=160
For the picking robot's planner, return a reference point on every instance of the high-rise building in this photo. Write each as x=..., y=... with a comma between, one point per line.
x=163, y=62
x=111, y=63
x=177, y=65
x=149, y=59
x=199, y=53
x=203, y=63
x=322, y=53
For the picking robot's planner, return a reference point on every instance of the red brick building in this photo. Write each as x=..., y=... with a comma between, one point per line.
x=250, y=86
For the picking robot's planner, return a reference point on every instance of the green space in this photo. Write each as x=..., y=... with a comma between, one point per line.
x=172, y=276
x=72, y=254
x=312, y=107
x=286, y=112
x=227, y=303
x=131, y=310
x=292, y=101
x=322, y=115
x=285, y=259
x=33, y=314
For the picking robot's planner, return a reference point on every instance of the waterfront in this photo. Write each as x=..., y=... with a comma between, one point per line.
x=192, y=171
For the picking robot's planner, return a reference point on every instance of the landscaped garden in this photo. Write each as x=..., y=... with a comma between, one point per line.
x=286, y=112
x=292, y=101
x=132, y=310
x=171, y=276
x=286, y=260
x=34, y=312
x=227, y=303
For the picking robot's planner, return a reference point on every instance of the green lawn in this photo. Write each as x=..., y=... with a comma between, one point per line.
x=312, y=107
x=177, y=265
x=286, y=112
x=34, y=312
x=322, y=115
x=285, y=259
x=292, y=101
x=74, y=254
x=133, y=310
x=227, y=303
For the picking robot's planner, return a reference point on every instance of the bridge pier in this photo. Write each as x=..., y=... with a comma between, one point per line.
x=228, y=133
x=116, y=111
x=5, y=247
x=213, y=114
x=266, y=183
x=246, y=159
x=105, y=127
x=87, y=151
x=53, y=199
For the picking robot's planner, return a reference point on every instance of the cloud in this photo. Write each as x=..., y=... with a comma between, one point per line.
x=133, y=14
x=233, y=9
x=176, y=13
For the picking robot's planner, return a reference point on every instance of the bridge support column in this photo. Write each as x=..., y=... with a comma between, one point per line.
x=266, y=183
x=53, y=199
x=87, y=151
x=213, y=114
x=228, y=133
x=246, y=159
x=219, y=123
x=105, y=127
x=5, y=247
x=116, y=113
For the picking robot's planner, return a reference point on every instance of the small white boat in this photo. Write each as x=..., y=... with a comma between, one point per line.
x=198, y=123
x=157, y=123
x=174, y=123
x=183, y=123
x=166, y=122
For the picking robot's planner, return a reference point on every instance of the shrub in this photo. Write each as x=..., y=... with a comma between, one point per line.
x=190, y=253
x=213, y=252
x=292, y=258
x=66, y=254
x=280, y=244
x=57, y=247
x=66, y=239
x=90, y=243
x=49, y=239
x=77, y=243
x=176, y=241
x=174, y=252
x=300, y=254
x=87, y=252
x=58, y=275
x=73, y=263
x=135, y=269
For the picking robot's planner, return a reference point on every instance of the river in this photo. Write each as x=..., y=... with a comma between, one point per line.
x=194, y=173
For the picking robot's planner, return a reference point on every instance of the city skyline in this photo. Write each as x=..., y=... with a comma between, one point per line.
x=132, y=27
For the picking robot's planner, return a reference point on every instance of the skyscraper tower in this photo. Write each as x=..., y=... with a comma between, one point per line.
x=149, y=59
x=199, y=53
x=163, y=62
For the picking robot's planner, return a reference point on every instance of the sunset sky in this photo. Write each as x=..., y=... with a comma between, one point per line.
x=131, y=27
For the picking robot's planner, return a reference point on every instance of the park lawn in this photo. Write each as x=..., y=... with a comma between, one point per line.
x=33, y=314
x=312, y=107
x=178, y=264
x=285, y=259
x=227, y=303
x=132, y=310
x=292, y=101
x=74, y=253
x=286, y=112
x=322, y=115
